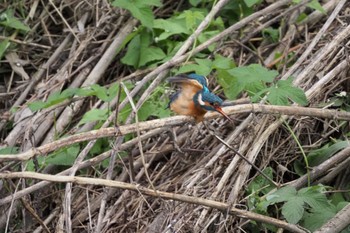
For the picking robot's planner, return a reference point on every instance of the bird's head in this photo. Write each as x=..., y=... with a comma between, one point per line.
x=210, y=102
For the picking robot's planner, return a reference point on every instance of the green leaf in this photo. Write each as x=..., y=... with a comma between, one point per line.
x=230, y=84
x=203, y=37
x=172, y=26
x=132, y=55
x=253, y=73
x=282, y=93
x=150, y=54
x=315, y=4
x=195, y=2
x=84, y=92
x=140, y=52
x=314, y=198
x=318, y=156
x=203, y=67
x=224, y=63
x=140, y=9
x=281, y=195
x=64, y=157
x=153, y=108
x=100, y=92
x=294, y=206
x=9, y=150
x=53, y=99
x=271, y=34
x=316, y=218
x=105, y=94
x=251, y=3
x=4, y=45
x=36, y=105
x=94, y=115
x=251, y=78
x=193, y=18
x=293, y=210
x=7, y=19
x=260, y=183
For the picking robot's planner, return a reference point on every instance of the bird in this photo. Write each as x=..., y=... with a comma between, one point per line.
x=194, y=98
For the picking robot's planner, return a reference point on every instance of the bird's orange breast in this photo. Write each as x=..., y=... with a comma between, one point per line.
x=184, y=105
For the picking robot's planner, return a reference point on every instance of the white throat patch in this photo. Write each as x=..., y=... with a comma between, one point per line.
x=200, y=100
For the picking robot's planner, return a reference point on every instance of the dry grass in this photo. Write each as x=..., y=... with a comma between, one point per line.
x=73, y=44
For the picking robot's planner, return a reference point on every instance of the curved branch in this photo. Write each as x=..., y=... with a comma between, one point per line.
x=150, y=192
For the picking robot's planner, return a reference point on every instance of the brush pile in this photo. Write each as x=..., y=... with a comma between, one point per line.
x=159, y=173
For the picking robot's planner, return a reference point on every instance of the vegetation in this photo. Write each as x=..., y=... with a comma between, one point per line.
x=84, y=95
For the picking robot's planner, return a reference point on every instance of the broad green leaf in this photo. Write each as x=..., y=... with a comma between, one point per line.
x=195, y=2
x=281, y=195
x=260, y=183
x=318, y=156
x=36, y=105
x=221, y=62
x=293, y=210
x=7, y=19
x=232, y=87
x=251, y=78
x=150, y=54
x=294, y=93
x=251, y=3
x=203, y=37
x=122, y=115
x=53, y=99
x=203, y=67
x=314, y=198
x=316, y=218
x=94, y=115
x=132, y=55
x=193, y=18
x=172, y=26
x=271, y=34
x=153, y=108
x=9, y=150
x=253, y=73
x=140, y=52
x=100, y=92
x=281, y=93
x=84, y=92
x=315, y=4
x=65, y=157
x=140, y=9
x=4, y=44
x=105, y=94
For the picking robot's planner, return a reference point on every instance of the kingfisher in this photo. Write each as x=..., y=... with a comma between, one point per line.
x=194, y=98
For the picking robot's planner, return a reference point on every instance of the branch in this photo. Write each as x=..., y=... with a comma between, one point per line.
x=174, y=121
x=150, y=192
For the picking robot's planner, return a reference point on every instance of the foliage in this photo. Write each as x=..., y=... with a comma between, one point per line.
x=9, y=150
x=308, y=207
x=10, y=23
x=140, y=9
x=314, y=4
x=318, y=156
x=62, y=157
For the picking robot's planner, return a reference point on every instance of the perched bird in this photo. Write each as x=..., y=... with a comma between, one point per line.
x=194, y=98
